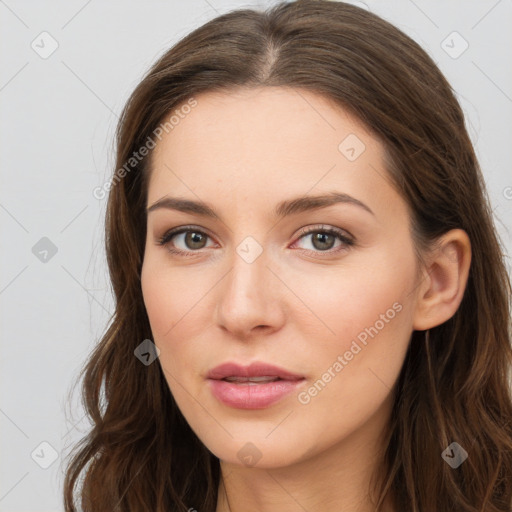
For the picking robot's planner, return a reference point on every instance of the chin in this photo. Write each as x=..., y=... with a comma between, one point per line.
x=252, y=448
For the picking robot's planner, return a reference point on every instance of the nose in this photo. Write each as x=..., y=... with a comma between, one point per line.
x=249, y=298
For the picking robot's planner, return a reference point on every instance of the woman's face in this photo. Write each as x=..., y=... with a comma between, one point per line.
x=259, y=281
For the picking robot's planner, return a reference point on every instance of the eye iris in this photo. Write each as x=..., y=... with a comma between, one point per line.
x=320, y=237
x=192, y=238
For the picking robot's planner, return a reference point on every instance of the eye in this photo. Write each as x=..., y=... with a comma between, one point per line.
x=323, y=238
x=193, y=238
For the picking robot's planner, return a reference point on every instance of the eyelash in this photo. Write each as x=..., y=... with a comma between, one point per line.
x=348, y=242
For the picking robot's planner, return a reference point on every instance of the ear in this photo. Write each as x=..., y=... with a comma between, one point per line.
x=444, y=280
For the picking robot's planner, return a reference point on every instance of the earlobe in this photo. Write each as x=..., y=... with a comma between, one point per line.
x=444, y=280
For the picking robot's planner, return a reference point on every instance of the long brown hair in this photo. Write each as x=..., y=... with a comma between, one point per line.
x=454, y=385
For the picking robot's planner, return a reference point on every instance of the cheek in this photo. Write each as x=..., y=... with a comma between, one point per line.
x=368, y=311
x=171, y=296
x=371, y=313
x=160, y=302
x=167, y=303
x=355, y=301
x=175, y=301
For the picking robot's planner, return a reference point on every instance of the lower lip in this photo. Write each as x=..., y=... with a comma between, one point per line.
x=252, y=396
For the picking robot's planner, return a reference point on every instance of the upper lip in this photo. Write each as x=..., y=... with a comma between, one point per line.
x=256, y=369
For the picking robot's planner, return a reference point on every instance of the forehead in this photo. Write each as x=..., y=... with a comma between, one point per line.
x=262, y=120
x=268, y=143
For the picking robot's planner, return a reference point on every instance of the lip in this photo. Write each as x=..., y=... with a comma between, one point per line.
x=256, y=369
x=256, y=395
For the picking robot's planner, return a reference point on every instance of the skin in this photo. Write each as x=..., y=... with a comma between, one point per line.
x=296, y=306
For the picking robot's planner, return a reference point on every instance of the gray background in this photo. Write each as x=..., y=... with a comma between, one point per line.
x=59, y=113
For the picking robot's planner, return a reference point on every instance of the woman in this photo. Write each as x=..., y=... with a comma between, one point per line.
x=312, y=308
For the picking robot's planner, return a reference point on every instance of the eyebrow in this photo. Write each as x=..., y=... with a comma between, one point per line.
x=283, y=209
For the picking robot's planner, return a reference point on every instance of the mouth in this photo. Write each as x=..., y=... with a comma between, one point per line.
x=254, y=386
x=251, y=380
x=254, y=372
